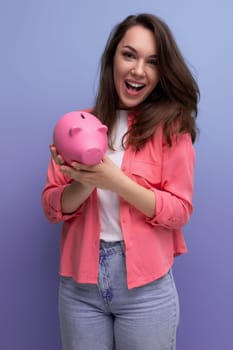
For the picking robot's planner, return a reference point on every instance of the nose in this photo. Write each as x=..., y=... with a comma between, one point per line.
x=138, y=69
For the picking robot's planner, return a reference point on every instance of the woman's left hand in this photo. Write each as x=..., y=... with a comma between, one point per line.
x=105, y=175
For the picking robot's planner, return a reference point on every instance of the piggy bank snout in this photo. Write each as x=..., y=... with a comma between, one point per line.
x=92, y=156
x=93, y=149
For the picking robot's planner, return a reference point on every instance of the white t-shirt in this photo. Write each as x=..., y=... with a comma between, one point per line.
x=108, y=200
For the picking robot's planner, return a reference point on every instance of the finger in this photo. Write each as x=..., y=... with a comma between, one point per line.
x=60, y=160
x=89, y=168
x=56, y=157
x=53, y=151
x=67, y=170
x=76, y=165
x=70, y=172
x=81, y=166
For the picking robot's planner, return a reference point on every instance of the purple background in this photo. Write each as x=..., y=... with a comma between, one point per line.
x=48, y=66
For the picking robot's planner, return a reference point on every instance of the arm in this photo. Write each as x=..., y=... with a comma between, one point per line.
x=138, y=196
x=174, y=199
x=58, y=192
x=108, y=176
x=73, y=196
x=171, y=206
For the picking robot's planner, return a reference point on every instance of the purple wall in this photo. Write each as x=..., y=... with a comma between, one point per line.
x=49, y=53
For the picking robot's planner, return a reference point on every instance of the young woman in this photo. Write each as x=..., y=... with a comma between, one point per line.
x=123, y=217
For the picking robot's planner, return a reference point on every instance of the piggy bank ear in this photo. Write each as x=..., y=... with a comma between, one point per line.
x=103, y=129
x=74, y=130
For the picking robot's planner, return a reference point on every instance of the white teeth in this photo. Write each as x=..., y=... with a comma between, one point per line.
x=135, y=85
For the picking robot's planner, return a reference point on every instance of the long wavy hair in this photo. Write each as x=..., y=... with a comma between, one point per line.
x=173, y=102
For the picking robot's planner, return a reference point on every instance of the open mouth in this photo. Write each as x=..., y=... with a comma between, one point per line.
x=134, y=86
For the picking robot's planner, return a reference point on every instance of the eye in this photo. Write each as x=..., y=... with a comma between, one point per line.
x=153, y=62
x=128, y=55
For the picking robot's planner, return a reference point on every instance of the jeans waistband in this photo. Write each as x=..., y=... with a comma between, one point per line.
x=108, y=248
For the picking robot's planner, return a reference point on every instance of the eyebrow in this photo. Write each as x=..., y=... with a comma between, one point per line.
x=134, y=50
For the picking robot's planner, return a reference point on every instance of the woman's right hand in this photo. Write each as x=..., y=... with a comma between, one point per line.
x=56, y=157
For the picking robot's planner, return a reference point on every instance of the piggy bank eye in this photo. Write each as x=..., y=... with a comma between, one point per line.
x=82, y=116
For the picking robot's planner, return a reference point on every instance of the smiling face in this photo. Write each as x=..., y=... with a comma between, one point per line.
x=135, y=70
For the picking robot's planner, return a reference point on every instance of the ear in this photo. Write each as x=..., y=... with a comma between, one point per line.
x=103, y=129
x=74, y=130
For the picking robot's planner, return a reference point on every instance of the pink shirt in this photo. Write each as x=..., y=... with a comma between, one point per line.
x=151, y=243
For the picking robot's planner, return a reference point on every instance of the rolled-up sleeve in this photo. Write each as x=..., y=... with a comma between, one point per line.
x=174, y=199
x=56, y=182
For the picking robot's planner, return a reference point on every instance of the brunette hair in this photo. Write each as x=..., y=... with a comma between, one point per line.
x=174, y=100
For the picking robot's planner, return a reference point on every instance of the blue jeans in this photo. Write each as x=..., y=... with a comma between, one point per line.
x=108, y=316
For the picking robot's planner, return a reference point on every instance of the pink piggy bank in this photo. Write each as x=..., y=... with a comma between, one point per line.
x=80, y=136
